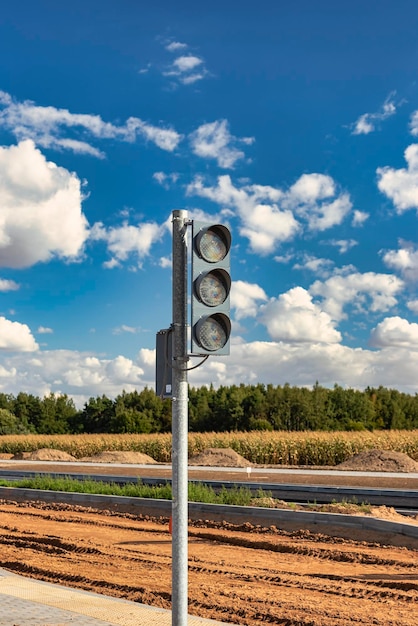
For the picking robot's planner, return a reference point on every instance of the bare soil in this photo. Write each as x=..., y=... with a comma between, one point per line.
x=380, y=461
x=219, y=457
x=244, y=575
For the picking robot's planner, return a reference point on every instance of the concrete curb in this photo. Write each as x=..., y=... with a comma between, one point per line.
x=215, y=512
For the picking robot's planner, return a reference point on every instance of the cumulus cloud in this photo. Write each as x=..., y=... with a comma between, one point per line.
x=267, y=213
x=303, y=364
x=414, y=124
x=359, y=217
x=16, y=337
x=376, y=291
x=50, y=127
x=187, y=63
x=312, y=198
x=413, y=306
x=8, y=285
x=368, y=122
x=344, y=245
x=404, y=260
x=263, y=223
x=41, y=213
x=401, y=186
x=245, y=297
x=44, y=330
x=313, y=264
x=214, y=141
x=127, y=241
x=293, y=317
x=175, y=46
x=82, y=375
x=395, y=331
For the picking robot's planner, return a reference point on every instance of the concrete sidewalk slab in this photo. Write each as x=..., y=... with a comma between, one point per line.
x=25, y=602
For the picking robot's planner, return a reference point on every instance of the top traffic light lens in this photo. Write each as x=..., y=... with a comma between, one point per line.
x=213, y=245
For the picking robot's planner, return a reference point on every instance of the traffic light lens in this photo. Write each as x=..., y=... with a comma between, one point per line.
x=212, y=290
x=211, y=334
x=212, y=246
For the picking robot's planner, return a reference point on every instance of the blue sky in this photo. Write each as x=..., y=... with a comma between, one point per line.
x=295, y=124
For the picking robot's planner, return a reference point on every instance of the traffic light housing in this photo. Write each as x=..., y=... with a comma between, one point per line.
x=211, y=286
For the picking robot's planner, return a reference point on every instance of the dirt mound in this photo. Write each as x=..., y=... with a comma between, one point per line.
x=44, y=454
x=219, y=457
x=120, y=456
x=380, y=461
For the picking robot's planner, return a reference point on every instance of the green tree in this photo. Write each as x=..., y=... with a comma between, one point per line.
x=9, y=424
x=97, y=414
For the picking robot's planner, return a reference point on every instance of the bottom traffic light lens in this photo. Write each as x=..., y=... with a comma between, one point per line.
x=212, y=332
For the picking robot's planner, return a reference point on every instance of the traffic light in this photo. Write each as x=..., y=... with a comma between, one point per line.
x=211, y=285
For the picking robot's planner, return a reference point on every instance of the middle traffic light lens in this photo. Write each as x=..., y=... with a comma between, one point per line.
x=212, y=290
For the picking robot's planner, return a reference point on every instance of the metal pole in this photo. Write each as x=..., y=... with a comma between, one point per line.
x=179, y=422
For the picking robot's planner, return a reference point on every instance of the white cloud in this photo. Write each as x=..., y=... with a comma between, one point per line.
x=214, y=141
x=344, y=245
x=313, y=264
x=16, y=337
x=41, y=214
x=308, y=197
x=293, y=317
x=82, y=375
x=48, y=127
x=78, y=374
x=413, y=306
x=414, y=124
x=401, y=186
x=186, y=69
x=187, y=63
x=166, y=262
x=244, y=298
x=44, y=330
x=133, y=330
x=363, y=126
x=165, y=180
x=359, y=217
x=175, y=46
x=127, y=240
x=8, y=285
x=284, y=258
x=268, y=214
x=376, y=291
x=367, y=122
x=310, y=188
x=396, y=332
x=165, y=138
x=303, y=364
x=263, y=224
x=404, y=260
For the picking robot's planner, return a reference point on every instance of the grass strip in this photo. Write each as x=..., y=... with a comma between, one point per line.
x=197, y=492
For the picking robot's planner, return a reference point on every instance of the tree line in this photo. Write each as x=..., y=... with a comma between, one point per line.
x=233, y=408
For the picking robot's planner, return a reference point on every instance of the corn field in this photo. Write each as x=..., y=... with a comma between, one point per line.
x=275, y=448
